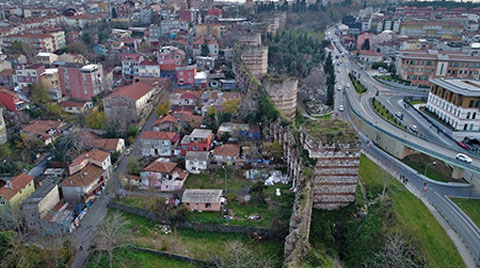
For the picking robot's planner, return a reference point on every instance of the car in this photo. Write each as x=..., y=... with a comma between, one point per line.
x=339, y=88
x=413, y=128
x=338, y=71
x=341, y=108
x=399, y=115
x=464, y=158
x=347, y=86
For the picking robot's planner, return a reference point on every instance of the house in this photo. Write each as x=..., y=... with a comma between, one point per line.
x=164, y=174
x=184, y=97
x=148, y=68
x=7, y=78
x=76, y=107
x=205, y=63
x=233, y=129
x=46, y=58
x=226, y=154
x=130, y=64
x=29, y=75
x=83, y=186
x=195, y=162
x=166, y=123
x=110, y=145
x=45, y=130
x=368, y=56
x=15, y=191
x=127, y=104
x=186, y=75
x=199, y=140
x=187, y=120
x=51, y=81
x=170, y=58
x=37, y=206
x=11, y=100
x=97, y=157
x=208, y=29
x=158, y=143
x=203, y=199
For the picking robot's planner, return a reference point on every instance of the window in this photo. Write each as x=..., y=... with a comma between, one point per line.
x=477, y=103
x=468, y=115
x=208, y=205
x=2, y=202
x=470, y=104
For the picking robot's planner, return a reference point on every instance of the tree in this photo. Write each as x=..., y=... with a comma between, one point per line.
x=366, y=45
x=397, y=253
x=273, y=149
x=178, y=215
x=22, y=48
x=204, y=49
x=132, y=133
x=38, y=94
x=256, y=191
x=163, y=108
x=239, y=256
x=231, y=106
x=54, y=109
x=133, y=165
x=114, y=13
x=95, y=119
x=112, y=234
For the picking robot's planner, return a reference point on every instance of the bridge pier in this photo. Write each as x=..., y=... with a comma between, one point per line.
x=457, y=172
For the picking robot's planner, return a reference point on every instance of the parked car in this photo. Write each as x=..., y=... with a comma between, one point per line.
x=399, y=115
x=464, y=158
x=341, y=108
x=413, y=128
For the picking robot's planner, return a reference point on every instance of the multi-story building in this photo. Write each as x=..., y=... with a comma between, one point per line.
x=15, y=191
x=8, y=78
x=130, y=63
x=11, y=100
x=211, y=44
x=29, y=75
x=196, y=162
x=417, y=66
x=199, y=140
x=51, y=82
x=81, y=20
x=158, y=143
x=186, y=75
x=82, y=82
x=170, y=58
x=148, y=68
x=208, y=29
x=57, y=34
x=165, y=175
x=146, y=15
x=46, y=58
x=38, y=42
x=37, y=206
x=432, y=29
x=126, y=105
x=457, y=103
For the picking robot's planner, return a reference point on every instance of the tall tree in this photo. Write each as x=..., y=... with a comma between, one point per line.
x=163, y=108
x=204, y=49
x=239, y=256
x=38, y=94
x=112, y=234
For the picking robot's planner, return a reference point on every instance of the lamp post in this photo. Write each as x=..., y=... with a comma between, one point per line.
x=225, y=178
x=426, y=167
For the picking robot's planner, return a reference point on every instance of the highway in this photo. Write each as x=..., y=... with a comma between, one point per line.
x=464, y=233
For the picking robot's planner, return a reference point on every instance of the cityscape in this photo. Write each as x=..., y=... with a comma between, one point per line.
x=239, y=134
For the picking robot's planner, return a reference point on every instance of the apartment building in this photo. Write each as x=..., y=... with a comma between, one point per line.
x=82, y=82
x=29, y=75
x=432, y=29
x=457, y=103
x=39, y=42
x=130, y=65
x=51, y=82
x=417, y=66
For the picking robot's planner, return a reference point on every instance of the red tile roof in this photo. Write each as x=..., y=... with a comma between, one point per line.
x=165, y=119
x=133, y=91
x=227, y=150
x=18, y=183
x=41, y=127
x=160, y=135
x=109, y=145
x=149, y=63
x=161, y=166
x=95, y=154
x=86, y=176
x=72, y=104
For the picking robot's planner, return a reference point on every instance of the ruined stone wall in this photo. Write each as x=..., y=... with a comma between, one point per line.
x=255, y=58
x=335, y=171
x=284, y=94
x=252, y=40
x=297, y=241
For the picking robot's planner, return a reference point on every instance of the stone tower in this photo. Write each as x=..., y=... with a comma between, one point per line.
x=283, y=92
x=335, y=148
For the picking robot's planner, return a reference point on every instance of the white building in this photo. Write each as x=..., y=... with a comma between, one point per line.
x=195, y=162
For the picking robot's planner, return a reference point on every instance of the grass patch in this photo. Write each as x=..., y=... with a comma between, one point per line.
x=342, y=233
x=359, y=87
x=394, y=79
x=439, y=172
x=470, y=207
x=414, y=102
x=236, y=181
x=327, y=116
x=131, y=258
x=386, y=114
x=195, y=244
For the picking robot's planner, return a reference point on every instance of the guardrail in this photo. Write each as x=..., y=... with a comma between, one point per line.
x=411, y=144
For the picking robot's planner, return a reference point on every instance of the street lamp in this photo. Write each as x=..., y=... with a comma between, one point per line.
x=426, y=167
x=225, y=178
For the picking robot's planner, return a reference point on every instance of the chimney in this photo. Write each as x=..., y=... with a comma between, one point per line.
x=9, y=185
x=85, y=173
x=71, y=182
x=86, y=155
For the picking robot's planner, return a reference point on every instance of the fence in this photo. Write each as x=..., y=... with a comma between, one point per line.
x=170, y=255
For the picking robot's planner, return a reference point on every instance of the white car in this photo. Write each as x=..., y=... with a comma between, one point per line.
x=341, y=108
x=413, y=128
x=464, y=158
